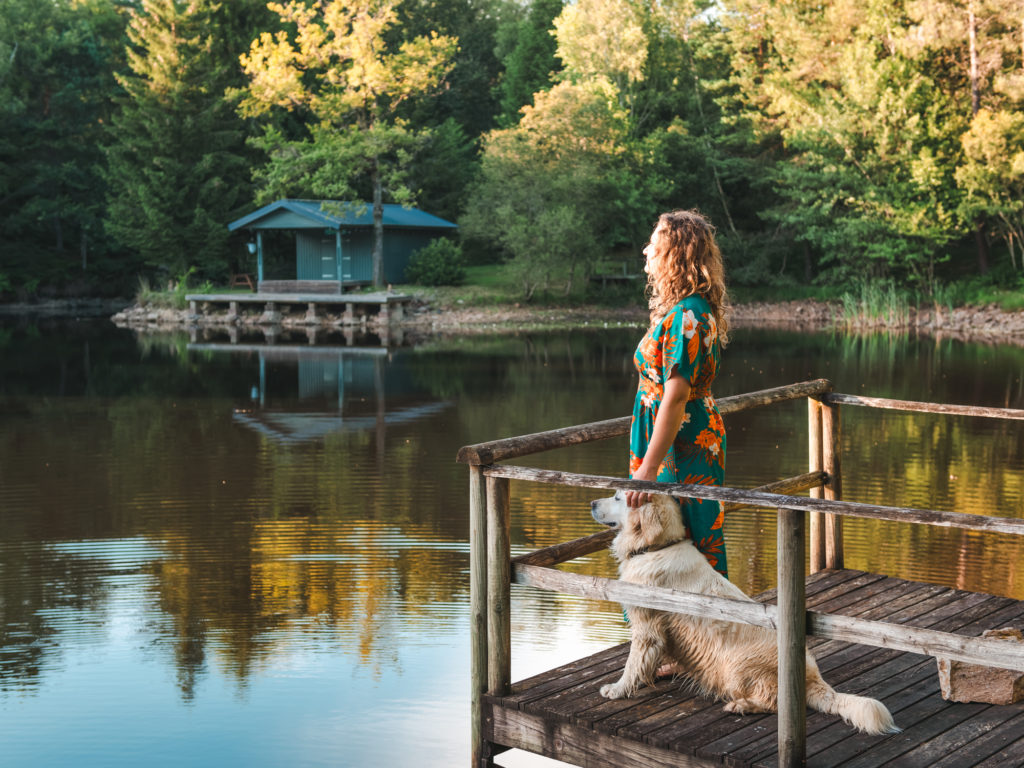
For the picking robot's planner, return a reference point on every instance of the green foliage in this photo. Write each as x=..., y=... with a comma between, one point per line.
x=530, y=60
x=829, y=143
x=438, y=263
x=57, y=60
x=177, y=168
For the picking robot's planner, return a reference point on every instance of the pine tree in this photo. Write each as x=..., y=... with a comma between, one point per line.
x=531, y=60
x=177, y=168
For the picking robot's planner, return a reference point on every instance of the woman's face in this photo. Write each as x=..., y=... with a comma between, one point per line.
x=652, y=250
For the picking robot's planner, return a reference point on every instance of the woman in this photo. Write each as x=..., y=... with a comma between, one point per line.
x=677, y=434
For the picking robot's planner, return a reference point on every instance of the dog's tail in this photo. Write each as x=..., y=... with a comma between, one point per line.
x=864, y=714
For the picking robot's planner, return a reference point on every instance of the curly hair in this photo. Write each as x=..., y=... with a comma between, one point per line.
x=690, y=263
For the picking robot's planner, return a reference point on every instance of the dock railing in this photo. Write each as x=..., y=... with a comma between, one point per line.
x=493, y=570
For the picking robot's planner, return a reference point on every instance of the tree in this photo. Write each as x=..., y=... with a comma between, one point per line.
x=870, y=134
x=555, y=189
x=340, y=69
x=177, y=165
x=56, y=95
x=993, y=175
x=530, y=61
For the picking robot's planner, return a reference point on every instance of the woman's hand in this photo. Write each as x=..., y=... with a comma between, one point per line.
x=639, y=498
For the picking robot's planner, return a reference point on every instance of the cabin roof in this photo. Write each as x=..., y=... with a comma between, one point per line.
x=333, y=214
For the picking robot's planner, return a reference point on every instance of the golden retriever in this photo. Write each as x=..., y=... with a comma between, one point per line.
x=727, y=660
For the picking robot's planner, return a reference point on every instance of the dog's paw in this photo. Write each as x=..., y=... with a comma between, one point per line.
x=745, y=707
x=613, y=691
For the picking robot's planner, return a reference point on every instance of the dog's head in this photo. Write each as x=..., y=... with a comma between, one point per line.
x=650, y=525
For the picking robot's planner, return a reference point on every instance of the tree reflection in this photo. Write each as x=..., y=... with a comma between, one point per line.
x=354, y=540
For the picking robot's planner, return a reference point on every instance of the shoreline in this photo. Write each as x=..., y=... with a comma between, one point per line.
x=987, y=324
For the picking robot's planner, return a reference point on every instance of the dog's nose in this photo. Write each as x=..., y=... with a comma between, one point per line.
x=593, y=506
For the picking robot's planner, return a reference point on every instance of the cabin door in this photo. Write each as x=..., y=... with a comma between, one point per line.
x=328, y=259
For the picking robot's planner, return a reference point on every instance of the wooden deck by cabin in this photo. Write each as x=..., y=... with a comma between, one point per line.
x=561, y=714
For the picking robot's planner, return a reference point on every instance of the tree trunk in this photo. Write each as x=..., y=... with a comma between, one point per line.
x=979, y=239
x=378, y=228
x=808, y=267
x=972, y=37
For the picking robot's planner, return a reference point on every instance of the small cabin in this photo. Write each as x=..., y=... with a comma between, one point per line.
x=334, y=241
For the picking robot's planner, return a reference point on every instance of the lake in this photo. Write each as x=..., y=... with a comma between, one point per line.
x=234, y=555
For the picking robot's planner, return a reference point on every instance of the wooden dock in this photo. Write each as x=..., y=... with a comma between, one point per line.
x=351, y=307
x=561, y=714
x=871, y=634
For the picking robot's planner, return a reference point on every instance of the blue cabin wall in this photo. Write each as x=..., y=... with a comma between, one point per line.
x=315, y=254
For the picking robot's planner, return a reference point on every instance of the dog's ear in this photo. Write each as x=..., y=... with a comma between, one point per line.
x=651, y=523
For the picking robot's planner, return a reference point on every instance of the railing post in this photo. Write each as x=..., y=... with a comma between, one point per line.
x=499, y=589
x=477, y=610
x=832, y=438
x=814, y=456
x=792, y=638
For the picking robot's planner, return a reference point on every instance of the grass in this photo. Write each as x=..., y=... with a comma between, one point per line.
x=869, y=303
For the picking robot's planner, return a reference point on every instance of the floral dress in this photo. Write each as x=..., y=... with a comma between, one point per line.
x=686, y=340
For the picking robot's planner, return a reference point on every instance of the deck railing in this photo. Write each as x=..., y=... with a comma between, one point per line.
x=492, y=570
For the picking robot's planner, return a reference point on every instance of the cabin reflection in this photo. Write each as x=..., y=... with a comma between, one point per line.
x=305, y=392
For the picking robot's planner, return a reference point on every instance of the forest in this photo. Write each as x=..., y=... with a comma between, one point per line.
x=832, y=143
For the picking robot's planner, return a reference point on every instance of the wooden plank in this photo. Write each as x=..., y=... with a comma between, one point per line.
x=579, y=746
x=816, y=582
x=988, y=745
x=1007, y=655
x=587, y=545
x=1012, y=754
x=980, y=650
x=567, y=550
x=791, y=638
x=523, y=445
x=526, y=692
x=938, y=518
x=788, y=487
x=477, y=610
x=831, y=457
x=816, y=524
x=658, y=598
x=909, y=405
x=930, y=717
x=932, y=751
x=499, y=621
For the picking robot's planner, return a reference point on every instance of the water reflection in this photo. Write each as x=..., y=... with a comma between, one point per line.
x=275, y=534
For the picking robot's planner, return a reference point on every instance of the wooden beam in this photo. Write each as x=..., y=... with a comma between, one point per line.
x=768, y=500
x=578, y=745
x=477, y=611
x=499, y=621
x=790, y=485
x=661, y=599
x=917, y=407
x=831, y=456
x=568, y=550
x=815, y=463
x=792, y=640
x=522, y=445
x=992, y=652
x=587, y=545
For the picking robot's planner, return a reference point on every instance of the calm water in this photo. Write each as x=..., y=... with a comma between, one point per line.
x=213, y=557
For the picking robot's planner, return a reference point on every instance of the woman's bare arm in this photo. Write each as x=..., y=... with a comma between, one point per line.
x=666, y=426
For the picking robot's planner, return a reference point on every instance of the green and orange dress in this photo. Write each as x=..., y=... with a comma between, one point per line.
x=686, y=340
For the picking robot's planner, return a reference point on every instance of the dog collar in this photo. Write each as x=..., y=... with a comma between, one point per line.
x=644, y=550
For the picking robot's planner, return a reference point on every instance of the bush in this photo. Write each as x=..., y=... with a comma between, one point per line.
x=438, y=263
